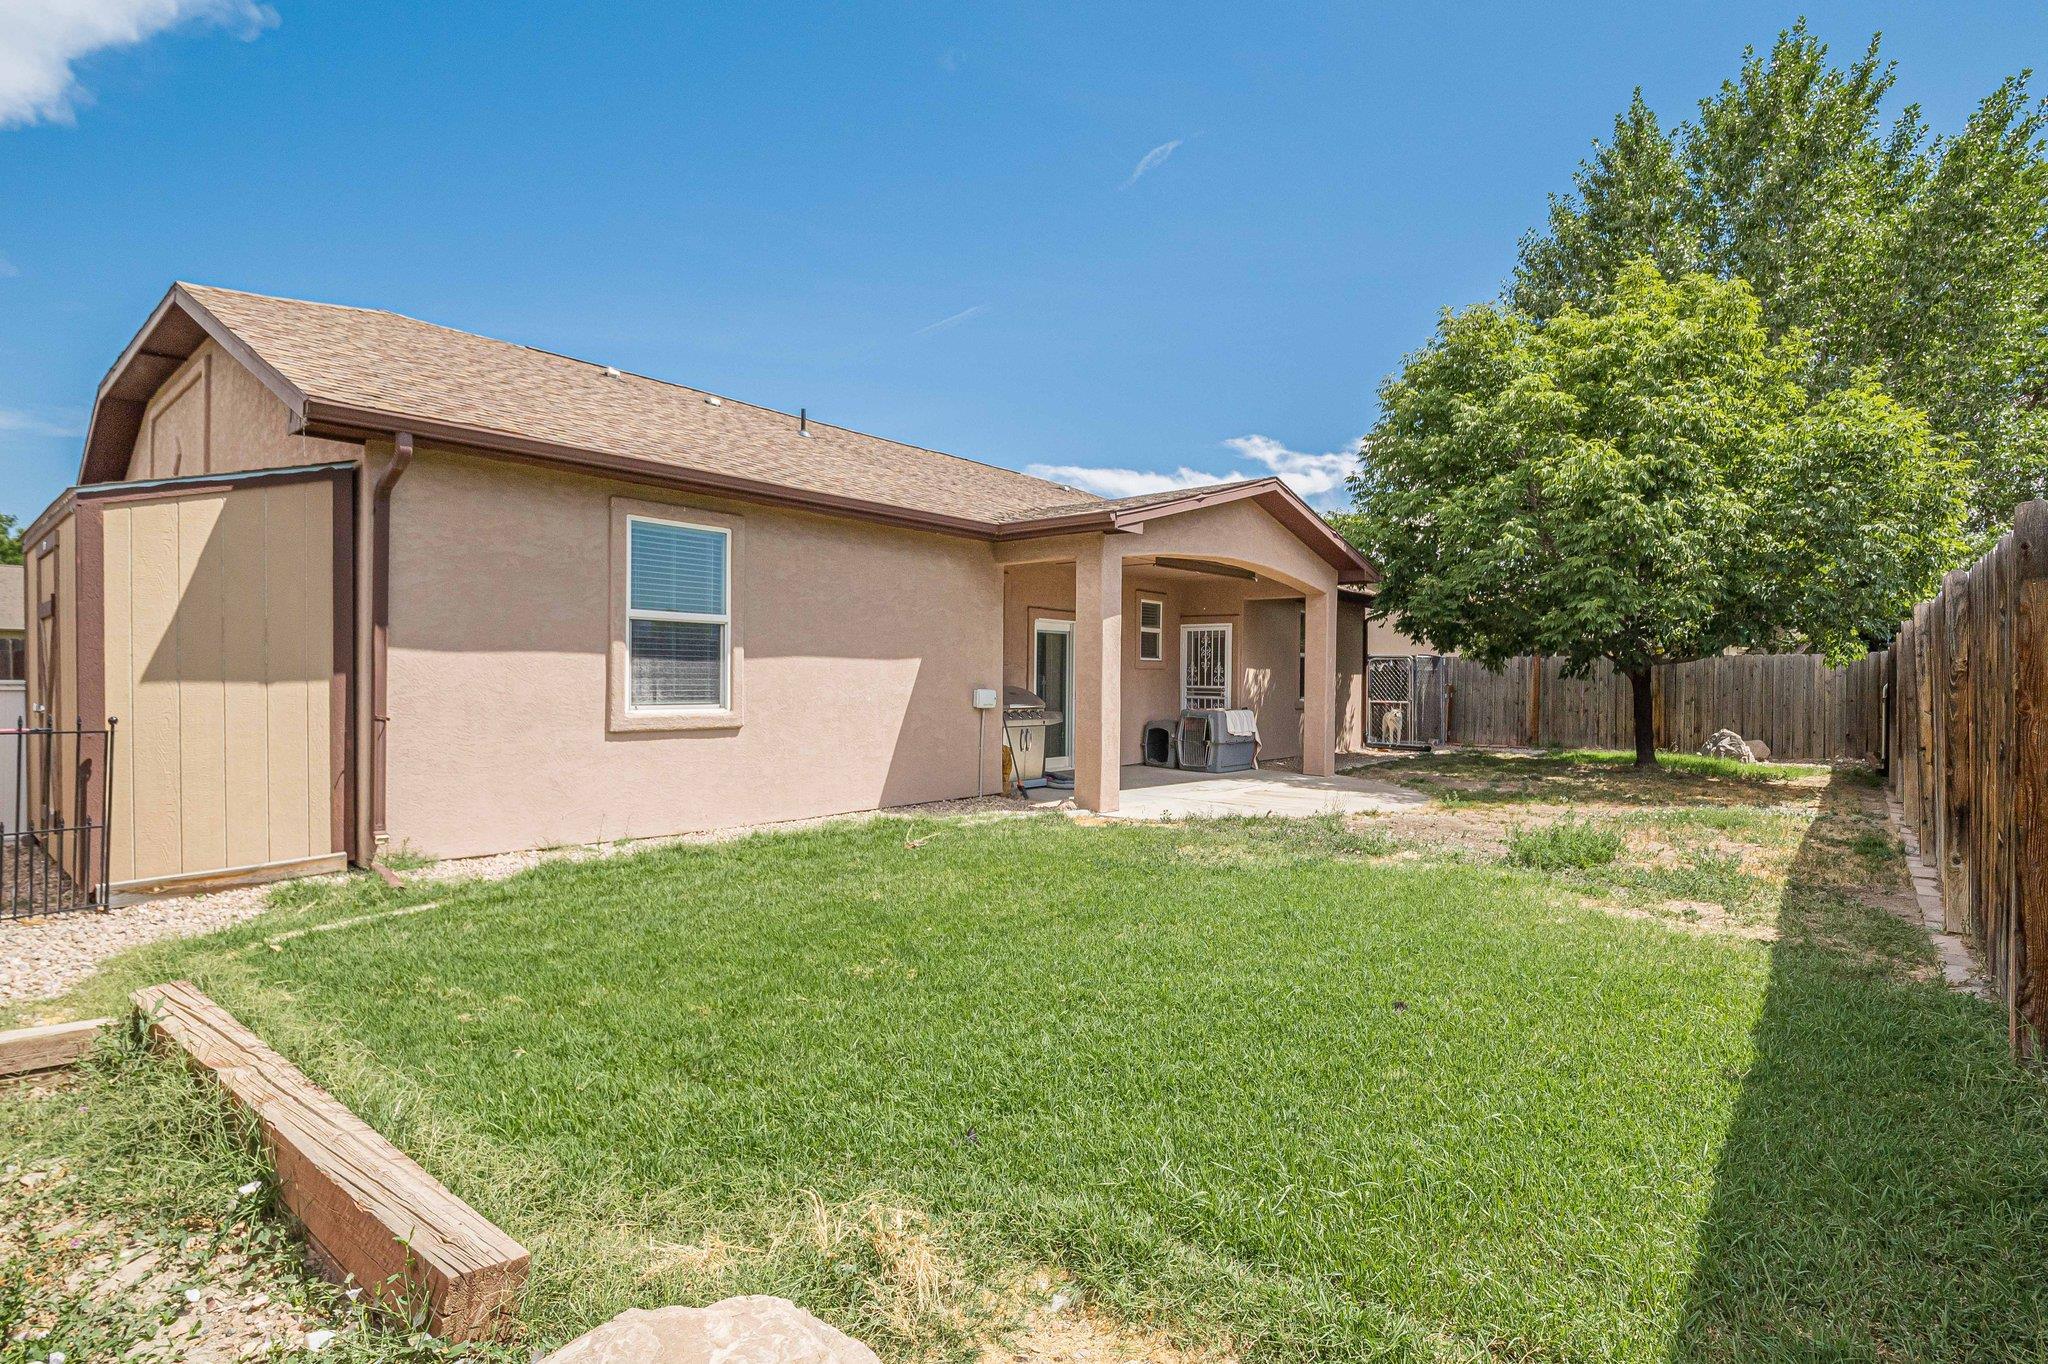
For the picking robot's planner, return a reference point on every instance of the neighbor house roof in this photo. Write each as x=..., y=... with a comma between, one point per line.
x=13, y=599
x=357, y=373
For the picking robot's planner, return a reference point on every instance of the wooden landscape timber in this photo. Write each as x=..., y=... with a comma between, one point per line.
x=24, y=1051
x=1803, y=709
x=1970, y=759
x=370, y=1213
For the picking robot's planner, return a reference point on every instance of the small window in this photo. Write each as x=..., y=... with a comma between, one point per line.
x=1151, y=630
x=1301, y=662
x=678, y=616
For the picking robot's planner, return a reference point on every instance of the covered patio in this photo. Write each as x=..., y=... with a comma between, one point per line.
x=1229, y=598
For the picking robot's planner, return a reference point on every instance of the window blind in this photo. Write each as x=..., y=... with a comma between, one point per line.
x=678, y=568
x=678, y=622
x=677, y=663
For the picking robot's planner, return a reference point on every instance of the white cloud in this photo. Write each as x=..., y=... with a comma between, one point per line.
x=29, y=424
x=955, y=320
x=40, y=40
x=1318, y=478
x=1313, y=476
x=1152, y=160
x=1120, y=482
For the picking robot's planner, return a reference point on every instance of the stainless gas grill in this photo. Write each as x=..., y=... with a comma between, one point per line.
x=1025, y=721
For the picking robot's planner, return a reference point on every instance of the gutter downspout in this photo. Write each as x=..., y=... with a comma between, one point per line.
x=380, y=632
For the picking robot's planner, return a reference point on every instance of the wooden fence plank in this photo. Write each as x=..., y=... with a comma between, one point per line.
x=369, y=1211
x=1968, y=722
x=1805, y=710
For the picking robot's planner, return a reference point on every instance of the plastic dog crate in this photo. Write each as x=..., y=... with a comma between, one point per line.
x=1159, y=744
x=1207, y=745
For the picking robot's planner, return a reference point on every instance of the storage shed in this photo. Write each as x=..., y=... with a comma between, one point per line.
x=203, y=615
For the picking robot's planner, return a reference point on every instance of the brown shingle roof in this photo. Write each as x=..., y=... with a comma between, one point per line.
x=378, y=360
x=1096, y=504
x=358, y=373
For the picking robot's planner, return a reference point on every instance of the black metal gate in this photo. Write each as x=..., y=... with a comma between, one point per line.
x=1405, y=701
x=54, y=850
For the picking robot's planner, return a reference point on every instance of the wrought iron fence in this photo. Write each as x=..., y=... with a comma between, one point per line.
x=54, y=852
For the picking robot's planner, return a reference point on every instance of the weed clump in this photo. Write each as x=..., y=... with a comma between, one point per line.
x=1568, y=845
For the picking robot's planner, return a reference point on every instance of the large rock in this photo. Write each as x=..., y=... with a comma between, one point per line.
x=751, y=1330
x=1726, y=743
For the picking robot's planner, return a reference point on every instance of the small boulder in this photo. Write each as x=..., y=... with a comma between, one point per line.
x=1726, y=743
x=1759, y=750
x=751, y=1330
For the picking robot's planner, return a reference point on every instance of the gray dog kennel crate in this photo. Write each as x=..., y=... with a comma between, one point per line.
x=1207, y=745
x=1159, y=744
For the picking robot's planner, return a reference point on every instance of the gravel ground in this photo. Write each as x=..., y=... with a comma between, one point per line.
x=41, y=957
x=44, y=957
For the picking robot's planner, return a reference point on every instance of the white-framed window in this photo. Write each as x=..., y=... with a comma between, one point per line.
x=678, y=616
x=1151, y=630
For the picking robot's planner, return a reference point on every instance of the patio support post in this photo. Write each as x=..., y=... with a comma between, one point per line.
x=1319, y=686
x=1098, y=673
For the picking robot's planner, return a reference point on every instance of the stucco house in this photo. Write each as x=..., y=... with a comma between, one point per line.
x=350, y=579
x=13, y=608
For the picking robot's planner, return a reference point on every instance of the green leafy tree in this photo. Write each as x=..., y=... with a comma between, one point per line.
x=1647, y=481
x=1923, y=259
x=10, y=540
x=1630, y=201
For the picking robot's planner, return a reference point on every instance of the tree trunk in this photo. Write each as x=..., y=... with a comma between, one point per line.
x=1644, y=696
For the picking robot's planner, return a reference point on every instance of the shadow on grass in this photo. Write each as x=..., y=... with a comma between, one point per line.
x=1568, y=776
x=1882, y=1192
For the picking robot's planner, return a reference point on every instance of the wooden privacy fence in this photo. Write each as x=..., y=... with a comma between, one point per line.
x=1805, y=710
x=1970, y=758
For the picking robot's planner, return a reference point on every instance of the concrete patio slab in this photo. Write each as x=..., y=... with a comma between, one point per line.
x=1153, y=793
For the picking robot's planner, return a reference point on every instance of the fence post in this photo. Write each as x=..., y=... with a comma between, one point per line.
x=1535, y=724
x=1959, y=740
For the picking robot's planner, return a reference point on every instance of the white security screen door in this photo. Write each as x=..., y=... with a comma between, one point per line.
x=1205, y=667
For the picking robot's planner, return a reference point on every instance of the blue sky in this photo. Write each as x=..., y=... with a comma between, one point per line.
x=1168, y=240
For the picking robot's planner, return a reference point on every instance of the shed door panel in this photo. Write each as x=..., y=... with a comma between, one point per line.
x=220, y=611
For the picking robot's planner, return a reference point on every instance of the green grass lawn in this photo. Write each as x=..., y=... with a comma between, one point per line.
x=1256, y=1081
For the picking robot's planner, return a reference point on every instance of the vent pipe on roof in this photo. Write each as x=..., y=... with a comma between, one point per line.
x=803, y=422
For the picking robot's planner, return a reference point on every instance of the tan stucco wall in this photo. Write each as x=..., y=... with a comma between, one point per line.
x=1270, y=673
x=213, y=416
x=219, y=648
x=1351, y=627
x=1235, y=532
x=1386, y=641
x=863, y=647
